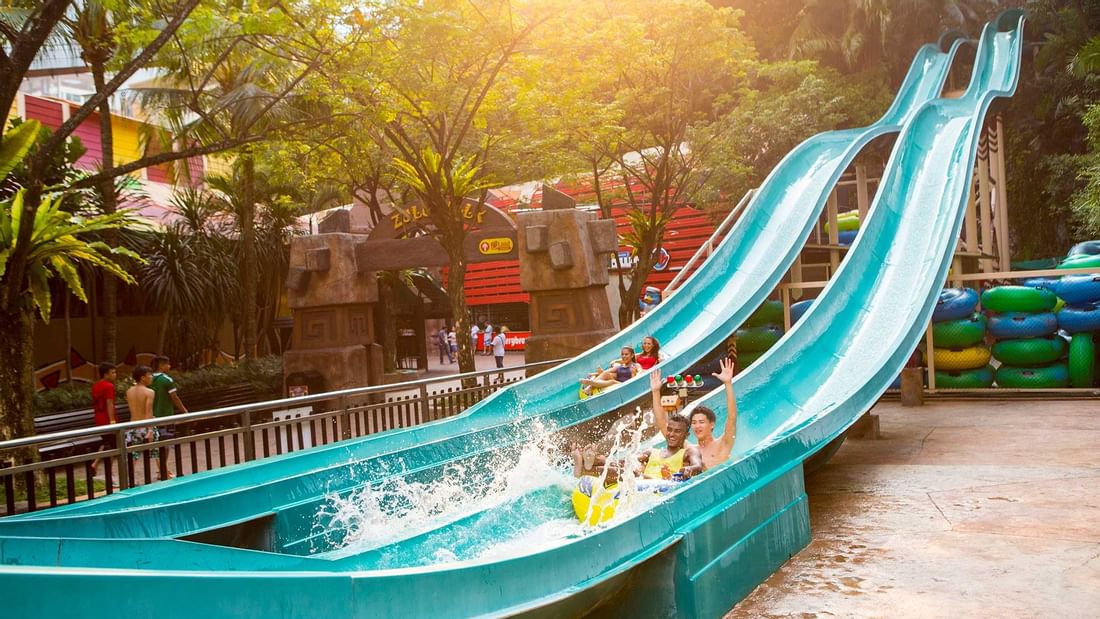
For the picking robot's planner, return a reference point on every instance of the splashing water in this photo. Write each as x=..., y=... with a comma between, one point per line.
x=512, y=501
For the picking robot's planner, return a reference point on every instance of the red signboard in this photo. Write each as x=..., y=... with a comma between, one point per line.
x=516, y=340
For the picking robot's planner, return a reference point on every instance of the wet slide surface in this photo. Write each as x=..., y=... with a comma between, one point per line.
x=803, y=393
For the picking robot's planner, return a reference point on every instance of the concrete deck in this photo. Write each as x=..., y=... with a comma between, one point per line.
x=961, y=509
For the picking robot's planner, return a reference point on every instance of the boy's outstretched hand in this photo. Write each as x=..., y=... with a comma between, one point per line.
x=726, y=375
x=655, y=380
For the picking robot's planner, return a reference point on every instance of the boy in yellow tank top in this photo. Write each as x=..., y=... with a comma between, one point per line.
x=677, y=458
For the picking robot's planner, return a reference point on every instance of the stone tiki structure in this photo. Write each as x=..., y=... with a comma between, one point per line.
x=563, y=260
x=332, y=300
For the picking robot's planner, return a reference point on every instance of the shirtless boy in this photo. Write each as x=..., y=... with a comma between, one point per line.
x=714, y=451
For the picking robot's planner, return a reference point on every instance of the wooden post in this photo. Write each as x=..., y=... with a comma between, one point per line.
x=797, y=277
x=985, y=206
x=1003, y=246
x=863, y=202
x=785, y=297
x=834, y=234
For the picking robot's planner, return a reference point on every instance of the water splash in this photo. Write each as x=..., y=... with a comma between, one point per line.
x=514, y=500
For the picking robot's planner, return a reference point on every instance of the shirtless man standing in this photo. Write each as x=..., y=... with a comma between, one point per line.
x=140, y=400
x=713, y=450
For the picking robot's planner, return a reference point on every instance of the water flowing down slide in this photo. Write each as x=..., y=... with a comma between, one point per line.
x=695, y=319
x=253, y=549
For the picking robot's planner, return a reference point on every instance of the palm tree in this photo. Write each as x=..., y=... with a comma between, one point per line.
x=243, y=94
x=93, y=29
x=190, y=275
x=870, y=35
x=58, y=246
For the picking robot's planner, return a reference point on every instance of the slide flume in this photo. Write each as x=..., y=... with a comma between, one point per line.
x=698, y=551
x=695, y=319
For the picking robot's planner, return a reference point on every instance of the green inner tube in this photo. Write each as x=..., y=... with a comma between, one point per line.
x=965, y=379
x=758, y=339
x=1018, y=299
x=1080, y=261
x=1082, y=360
x=1055, y=375
x=846, y=222
x=1031, y=351
x=769, y=313
x=959, y=333
x=966, y=359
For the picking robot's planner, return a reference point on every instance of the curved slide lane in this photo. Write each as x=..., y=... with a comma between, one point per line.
x=692, y=321
x=697, y=551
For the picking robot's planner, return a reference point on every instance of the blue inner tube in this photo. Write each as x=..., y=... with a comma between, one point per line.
x=1048, y=283
x=1088, y=248
x=955, y=303
x=1080, y=319
x=846, y=237
x=1019, y=324
x=1079, y=289
x=798, y=309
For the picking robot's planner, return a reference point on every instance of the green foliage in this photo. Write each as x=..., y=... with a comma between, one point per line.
x=58, y=240
x=265, y=374
x=1046, y=134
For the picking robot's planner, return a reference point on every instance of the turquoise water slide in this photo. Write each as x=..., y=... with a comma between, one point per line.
x=698, y=551
x=695, y=319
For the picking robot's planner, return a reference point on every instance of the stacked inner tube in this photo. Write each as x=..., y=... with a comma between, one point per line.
x=958, y=330
x=1030, y=351
x=759, y=333
x=1077, y=311
x=847, y=225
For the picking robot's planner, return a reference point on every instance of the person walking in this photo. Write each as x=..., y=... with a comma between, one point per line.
x=475, y=336
x=166, y=402
x=452, y=344
x=498, y=351
x=103, y=404
x=441, y=343
x=488, y=339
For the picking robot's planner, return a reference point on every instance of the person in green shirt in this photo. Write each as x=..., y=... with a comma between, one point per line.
x=166, y=402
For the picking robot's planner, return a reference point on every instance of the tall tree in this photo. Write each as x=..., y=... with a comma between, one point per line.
x=442, y=92
x=93, y=29
x=54, y=248
x=26, y=32
x=666, y=72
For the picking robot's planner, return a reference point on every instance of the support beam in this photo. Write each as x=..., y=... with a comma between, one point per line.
x=998, y=157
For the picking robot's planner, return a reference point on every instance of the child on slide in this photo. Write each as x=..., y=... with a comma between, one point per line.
x=620, y=371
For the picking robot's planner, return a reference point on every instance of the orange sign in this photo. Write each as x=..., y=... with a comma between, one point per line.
x=496, y=245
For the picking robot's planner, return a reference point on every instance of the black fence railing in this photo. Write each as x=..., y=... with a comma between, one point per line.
x=136, y=453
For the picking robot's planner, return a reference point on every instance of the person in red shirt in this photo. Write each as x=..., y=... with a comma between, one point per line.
x=103, y=403
x=651, y=353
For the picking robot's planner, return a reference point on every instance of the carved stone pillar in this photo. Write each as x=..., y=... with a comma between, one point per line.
x=332, y=300
x=563, y=260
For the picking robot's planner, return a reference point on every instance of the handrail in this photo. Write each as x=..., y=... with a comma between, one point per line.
x=708, y=247
x=257, y=406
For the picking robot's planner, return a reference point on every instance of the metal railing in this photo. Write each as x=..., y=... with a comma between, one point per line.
x=707, y=248
x=202, y=441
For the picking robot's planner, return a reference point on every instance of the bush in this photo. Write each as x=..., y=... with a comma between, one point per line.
x=264, y=374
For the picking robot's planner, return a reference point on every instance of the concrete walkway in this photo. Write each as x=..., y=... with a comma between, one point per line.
x=961, y=509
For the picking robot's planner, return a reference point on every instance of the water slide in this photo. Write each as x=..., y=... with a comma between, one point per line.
x=698, y=550
x=692, y=321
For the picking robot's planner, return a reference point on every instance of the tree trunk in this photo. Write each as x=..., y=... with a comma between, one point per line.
x=389, y=322
x=17, y=374
x=68, y=338
x=110, y=205
x=163, y=340
x=248, y=252
x=456, y=292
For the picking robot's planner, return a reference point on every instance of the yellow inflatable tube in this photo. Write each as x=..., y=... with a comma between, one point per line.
x=595, y=504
